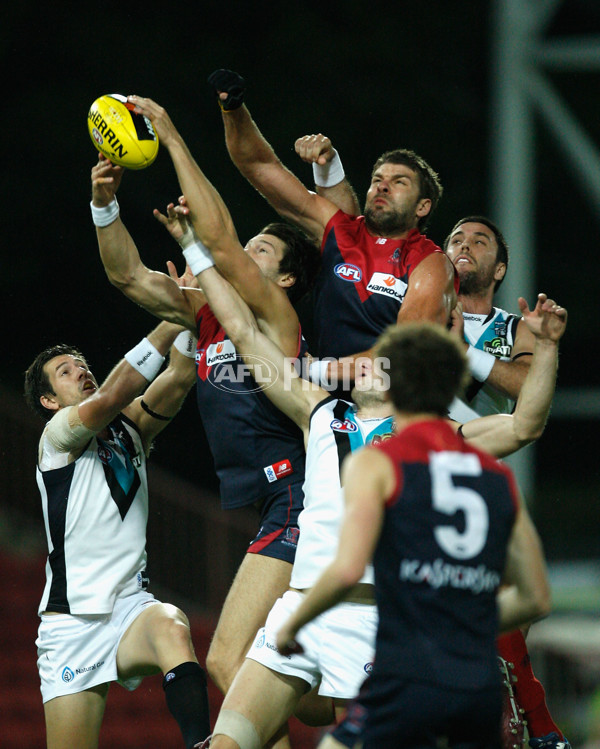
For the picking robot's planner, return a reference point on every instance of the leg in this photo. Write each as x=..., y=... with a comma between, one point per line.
x=259, y=582
x=160, y=638
x=328, y=742
x=75, y=719
x=529, y=692
x=257, y=704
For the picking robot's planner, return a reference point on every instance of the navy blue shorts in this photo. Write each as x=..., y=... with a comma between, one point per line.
x=391, y=712
x=279, y=532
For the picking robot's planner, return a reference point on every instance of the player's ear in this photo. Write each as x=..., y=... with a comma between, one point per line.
x=286, y=280
x=49, y=402
x=500, y=271
x=423, y=207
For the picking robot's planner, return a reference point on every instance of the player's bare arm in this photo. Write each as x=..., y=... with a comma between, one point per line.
x=526, y=595
x=430, y=294
x=153, y=291
x=212, y=223
x=257, y=161
x=328, y=173
x=165, y=395
x=503, y=434
x=368, y=478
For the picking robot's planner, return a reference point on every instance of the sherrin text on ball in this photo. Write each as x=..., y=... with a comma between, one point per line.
x=124, y=137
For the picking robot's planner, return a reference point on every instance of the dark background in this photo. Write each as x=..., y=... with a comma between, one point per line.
x=373, y=76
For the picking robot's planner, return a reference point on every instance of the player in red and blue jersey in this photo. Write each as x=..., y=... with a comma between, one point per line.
x=376, y=269
x=258, y=453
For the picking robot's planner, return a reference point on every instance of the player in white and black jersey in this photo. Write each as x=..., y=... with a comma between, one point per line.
x=98, y=622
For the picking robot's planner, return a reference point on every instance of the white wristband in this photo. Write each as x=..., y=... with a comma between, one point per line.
x=105, y=215
x=185, y=343
x=329, y=174
x=318, y=372
x=145, y=359
x=480, y=363
x=198, y=257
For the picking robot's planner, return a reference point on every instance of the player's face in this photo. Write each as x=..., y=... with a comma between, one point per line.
x=267, y=252
x=70, y=379
x=393, y=205
x=473, y=251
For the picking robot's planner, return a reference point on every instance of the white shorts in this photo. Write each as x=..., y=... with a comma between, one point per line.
x=79, y=652
x=339, y=646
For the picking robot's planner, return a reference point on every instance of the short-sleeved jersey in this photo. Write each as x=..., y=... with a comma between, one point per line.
x=494, y=333
x=440, y=558
x=95, y=512
x=335, y=431
x=361, y=284
x=256, y=449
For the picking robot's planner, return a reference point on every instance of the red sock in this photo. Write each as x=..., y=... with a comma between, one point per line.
x=528, y=690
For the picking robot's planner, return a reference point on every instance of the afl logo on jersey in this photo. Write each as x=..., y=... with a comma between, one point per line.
x=343, y=426
x=105, y=454
x=348, y=272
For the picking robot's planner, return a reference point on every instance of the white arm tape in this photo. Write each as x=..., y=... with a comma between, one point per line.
x=66, y=431
x=185, y=343
x=105, y=215
x=480, y=363
x=198, y=257
x=319, y=372
x=329, y=174
x=145, y=359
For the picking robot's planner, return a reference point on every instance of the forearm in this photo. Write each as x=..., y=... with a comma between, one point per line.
x=119, y=255
x=508, y=376
x=246, y=145
x=537, y=391
x=518, y=610
x=342, y=195
x=209, y=215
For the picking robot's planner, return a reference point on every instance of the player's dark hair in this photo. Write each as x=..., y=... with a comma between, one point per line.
x=302, y=257
x=429, y=182
x=427, y=367
x=36, y=378
x=501, y=255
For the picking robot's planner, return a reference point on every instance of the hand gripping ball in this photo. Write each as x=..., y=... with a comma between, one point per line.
x=124, y=137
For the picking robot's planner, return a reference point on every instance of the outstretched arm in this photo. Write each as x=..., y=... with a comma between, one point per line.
x=153, y=291
x=212, y=223
x=503, y=434
x=72, y=427
x=257, y=161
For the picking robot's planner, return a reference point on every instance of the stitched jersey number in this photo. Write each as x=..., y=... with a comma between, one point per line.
x=449, y=499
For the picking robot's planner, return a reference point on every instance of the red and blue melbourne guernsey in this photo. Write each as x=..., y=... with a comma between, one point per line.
x=440, y=558
x=362, y=283
x=256, y=449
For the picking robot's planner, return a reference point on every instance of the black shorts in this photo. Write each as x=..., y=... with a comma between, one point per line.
x=278, y=534
x=391, y=712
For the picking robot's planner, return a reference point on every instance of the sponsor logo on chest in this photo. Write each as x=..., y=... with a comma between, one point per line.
x=388, y=285
x=218, y=353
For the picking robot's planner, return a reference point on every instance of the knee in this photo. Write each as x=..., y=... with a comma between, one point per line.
x=222, y=665
x=173, y=628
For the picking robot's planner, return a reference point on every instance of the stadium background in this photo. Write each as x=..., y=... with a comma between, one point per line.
x=372, y=76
